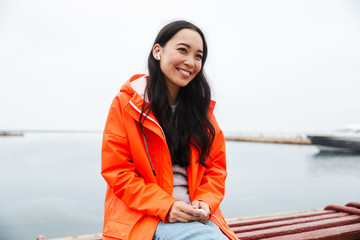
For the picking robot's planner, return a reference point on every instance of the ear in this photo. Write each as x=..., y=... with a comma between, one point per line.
x=156, y=51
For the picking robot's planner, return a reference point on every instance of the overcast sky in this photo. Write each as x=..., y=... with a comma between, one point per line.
x=288, y=66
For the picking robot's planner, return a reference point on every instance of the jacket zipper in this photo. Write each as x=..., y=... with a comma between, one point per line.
x=142, y=130
x=146, y=116
x=232, y=234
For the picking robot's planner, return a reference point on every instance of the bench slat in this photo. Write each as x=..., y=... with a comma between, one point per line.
x=280, y=218
x=274, y=224
x=347, y=232
x=298, y=228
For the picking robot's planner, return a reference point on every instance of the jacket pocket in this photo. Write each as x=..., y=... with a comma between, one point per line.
x=119, y=219
x=116, y=230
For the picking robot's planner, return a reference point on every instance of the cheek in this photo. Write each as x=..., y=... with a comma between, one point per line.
x=198, y=68
x=164, y=66
x=167, y=63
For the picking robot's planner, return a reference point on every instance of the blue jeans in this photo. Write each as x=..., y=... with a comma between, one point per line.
x=186, y=231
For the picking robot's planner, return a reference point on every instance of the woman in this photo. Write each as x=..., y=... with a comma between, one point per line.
x=163, y=153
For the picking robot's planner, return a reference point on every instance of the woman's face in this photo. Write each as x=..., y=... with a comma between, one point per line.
x=180, y=59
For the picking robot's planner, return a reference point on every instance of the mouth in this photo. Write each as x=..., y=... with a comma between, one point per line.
x=184, y=72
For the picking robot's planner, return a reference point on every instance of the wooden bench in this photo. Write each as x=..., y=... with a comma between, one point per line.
x=333, y=222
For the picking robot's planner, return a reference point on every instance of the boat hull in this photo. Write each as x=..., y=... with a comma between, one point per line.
x=336, y=143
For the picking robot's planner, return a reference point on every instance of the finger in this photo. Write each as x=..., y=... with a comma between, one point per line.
x=203, y=218
x=178, y=219
x=204, y=221
x=181, y=211
x=189, y=209
x=205, y=207
x=183, y=217
x=189, y=217
x=190, y=214
x=195, y=203
x=206, y=214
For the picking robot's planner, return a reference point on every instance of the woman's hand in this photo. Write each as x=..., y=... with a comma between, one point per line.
x=203, y=217
x=183, y=212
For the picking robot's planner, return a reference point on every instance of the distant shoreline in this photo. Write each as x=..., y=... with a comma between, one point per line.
x=242, y=138
x=62, y=131
x=11, y=133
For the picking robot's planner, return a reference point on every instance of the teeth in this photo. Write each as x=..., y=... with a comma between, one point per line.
x=187, y=73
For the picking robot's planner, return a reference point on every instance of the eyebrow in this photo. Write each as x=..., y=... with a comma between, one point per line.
x=188, y=46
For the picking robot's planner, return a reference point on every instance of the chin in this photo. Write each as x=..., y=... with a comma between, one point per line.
x=184, y=84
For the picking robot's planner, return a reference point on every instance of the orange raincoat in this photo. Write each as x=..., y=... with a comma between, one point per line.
x=136, y=200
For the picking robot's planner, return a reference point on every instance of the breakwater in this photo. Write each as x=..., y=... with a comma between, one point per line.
x=270, y=139
x=3, y=133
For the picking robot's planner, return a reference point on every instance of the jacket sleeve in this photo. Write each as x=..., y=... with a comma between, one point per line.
x=118, y=170
x=212, y=187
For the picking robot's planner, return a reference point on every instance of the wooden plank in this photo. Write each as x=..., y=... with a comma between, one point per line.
x=279, y=218
x=350, y=210
x=347, y=232
x=280, y=214
x=297, y=228
x=274, y=224
x=353, y=204
x=95, y=236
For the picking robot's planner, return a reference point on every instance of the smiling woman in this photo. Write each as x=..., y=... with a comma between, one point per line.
x=181, y=60
x=163, y=153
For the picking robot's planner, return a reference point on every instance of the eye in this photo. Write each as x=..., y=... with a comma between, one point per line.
x=199, y=56
x=183, y=50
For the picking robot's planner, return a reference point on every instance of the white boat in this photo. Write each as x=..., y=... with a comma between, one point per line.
x=345, y=139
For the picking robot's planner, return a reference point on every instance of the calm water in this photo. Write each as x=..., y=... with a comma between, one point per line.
x=50, y=182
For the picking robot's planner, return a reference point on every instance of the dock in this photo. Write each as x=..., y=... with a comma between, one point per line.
x=11, y=134
x=270, y=139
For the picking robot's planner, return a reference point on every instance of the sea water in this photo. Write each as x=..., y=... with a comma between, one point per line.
x=50, y=183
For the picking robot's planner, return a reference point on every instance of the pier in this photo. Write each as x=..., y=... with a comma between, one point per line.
x=7, y=134
x=270, y=139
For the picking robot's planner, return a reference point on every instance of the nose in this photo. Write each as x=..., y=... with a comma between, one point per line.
x=189, y=61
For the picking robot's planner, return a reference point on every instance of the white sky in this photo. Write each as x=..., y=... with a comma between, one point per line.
x=290, y=66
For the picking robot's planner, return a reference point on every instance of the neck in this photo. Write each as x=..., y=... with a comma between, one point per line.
x=172, y=100
x=172, y=95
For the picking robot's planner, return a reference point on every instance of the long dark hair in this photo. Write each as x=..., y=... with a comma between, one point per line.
x=189, y=124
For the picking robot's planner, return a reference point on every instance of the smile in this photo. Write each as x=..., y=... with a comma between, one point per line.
x=184, y=72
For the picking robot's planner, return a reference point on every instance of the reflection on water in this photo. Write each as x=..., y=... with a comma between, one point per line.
x=335, y=163
x=322, y=154
x=267, y=178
